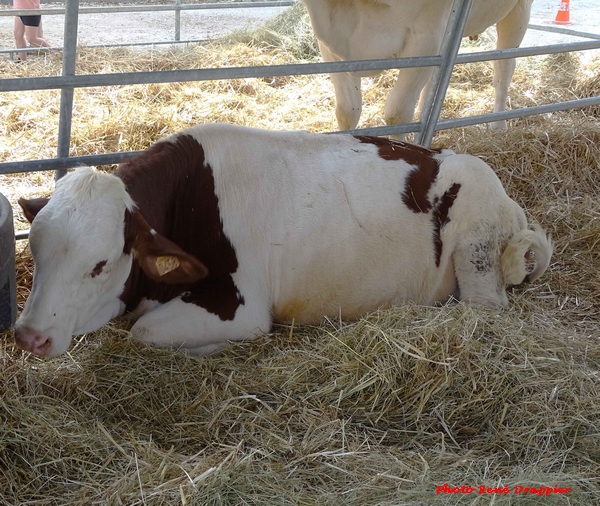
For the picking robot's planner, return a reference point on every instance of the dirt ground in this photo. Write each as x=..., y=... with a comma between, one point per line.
x=116, y=28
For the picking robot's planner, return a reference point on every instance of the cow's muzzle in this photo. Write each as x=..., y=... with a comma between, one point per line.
x=33, y=341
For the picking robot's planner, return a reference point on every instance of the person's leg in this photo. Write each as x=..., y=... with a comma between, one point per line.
x=33, y=37
x=19, y=33
x=40, y=30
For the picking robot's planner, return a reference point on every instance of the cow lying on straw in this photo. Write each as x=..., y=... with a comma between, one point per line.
x=212, y=234
x=371, y=29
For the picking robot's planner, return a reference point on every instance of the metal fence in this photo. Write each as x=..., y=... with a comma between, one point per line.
x=425, y=128
x=176, y=8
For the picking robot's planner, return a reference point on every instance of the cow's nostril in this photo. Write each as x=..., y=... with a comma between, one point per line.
x=43, y=348
x=23, y=338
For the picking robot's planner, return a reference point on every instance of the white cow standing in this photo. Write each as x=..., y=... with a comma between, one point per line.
x=372, y=29
x=213, y=234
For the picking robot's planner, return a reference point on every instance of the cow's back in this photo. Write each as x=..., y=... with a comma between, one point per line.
x=346, y=27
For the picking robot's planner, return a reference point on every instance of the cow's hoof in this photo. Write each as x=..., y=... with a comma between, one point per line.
x=499, y=126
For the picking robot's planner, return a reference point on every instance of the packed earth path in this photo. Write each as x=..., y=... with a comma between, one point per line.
x=136, y=27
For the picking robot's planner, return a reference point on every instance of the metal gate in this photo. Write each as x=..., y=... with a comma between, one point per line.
x=425, y=128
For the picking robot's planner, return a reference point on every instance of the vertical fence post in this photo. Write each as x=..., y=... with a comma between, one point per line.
x=177, y=21
x=441, y=78
x=68, y=69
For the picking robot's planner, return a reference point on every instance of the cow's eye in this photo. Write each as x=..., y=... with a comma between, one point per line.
x=98, y=269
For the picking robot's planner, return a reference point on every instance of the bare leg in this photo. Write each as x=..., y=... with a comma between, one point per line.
x=32, y=34
x=19, y=33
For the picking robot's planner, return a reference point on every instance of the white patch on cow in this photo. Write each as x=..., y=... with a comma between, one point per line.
x=113, y=309
x=145, y=306
x=82, y=225
x=177, y=324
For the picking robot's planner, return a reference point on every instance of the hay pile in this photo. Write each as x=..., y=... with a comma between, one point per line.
x=380, y=411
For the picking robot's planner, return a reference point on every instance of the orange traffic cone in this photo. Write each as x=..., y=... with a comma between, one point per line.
x=563, y=14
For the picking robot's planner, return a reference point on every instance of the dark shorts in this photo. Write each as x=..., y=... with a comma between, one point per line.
x=31, y=20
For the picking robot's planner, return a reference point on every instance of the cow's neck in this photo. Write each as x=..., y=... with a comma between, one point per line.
x=174, y=189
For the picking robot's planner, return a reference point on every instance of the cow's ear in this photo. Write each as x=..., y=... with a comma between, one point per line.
x=161, y=259
x=32, y=206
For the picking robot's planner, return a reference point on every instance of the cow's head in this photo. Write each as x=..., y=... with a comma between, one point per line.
x=83, y=241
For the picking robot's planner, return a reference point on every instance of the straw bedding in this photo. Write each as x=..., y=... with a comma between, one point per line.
x=379, y=411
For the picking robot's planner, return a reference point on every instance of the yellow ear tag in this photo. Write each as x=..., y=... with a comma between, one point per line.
x=166, y=264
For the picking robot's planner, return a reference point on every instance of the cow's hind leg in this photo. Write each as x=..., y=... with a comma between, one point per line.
x=184, y=325
x=477, y=268
x=511, y=31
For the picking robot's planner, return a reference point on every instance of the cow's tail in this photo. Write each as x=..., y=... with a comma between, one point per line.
x=527, y=256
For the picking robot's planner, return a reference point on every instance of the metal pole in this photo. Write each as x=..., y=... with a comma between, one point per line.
x=439, y=82
x=177, y=21
x=68, y=69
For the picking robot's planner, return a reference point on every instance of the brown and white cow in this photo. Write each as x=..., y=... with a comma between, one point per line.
x=212, y=234
x=371, y=29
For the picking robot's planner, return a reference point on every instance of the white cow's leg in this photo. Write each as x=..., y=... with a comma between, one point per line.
x=348, y=100
x=401, y=102
x=477, y=268
x=348, y=96
x=511, y=31
x=184, y=325
x=422, y=98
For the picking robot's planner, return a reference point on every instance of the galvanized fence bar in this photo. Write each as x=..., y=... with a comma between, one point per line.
x=518, y=52
x=150, y=8
x=178, y=7
x=166, y=76
x=68, y=69
x=92, y=80
x=178, y=21
x=69, y=80
x=564, y=31
x=113, y=158
x=517, y=113
x=65, y=163
x=121, y=44
x=441, y=78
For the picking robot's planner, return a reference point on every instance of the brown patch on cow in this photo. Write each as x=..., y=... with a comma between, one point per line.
x=219, y=296
x=96, y=271
x=161, y=260
x=174, y=189
x=439, y=218
x=418, y=183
